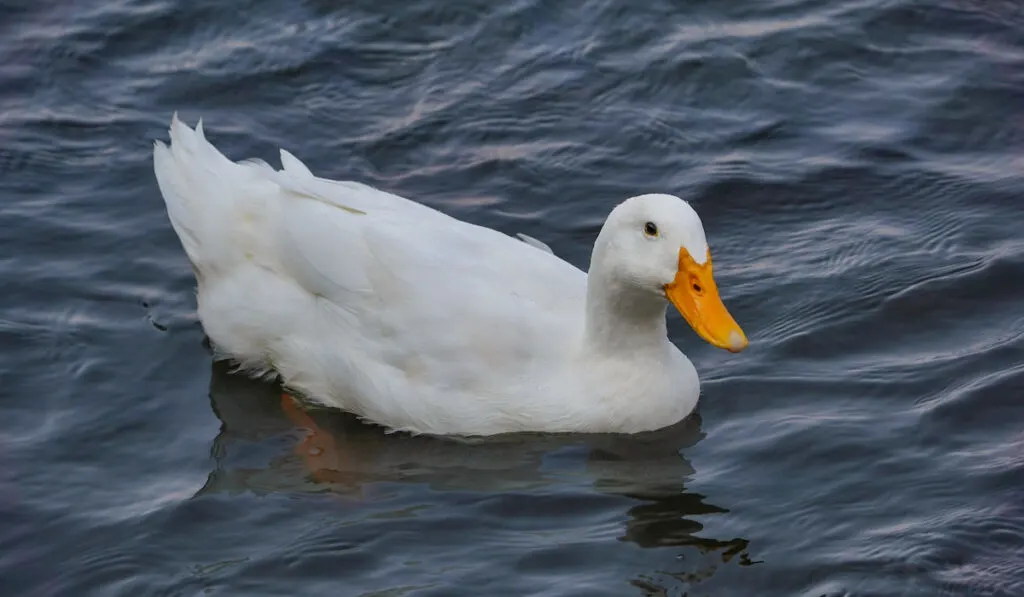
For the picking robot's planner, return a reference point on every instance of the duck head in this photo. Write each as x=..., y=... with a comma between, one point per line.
x=656, y=244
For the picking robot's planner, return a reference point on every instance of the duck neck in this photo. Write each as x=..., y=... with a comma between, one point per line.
x=622, y=319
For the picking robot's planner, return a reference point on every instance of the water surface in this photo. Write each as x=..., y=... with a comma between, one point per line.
x=858, y=167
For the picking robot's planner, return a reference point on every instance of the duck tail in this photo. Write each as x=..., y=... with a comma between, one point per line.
x=195, y=180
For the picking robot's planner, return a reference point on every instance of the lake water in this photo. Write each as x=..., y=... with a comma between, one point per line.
x=859, y=167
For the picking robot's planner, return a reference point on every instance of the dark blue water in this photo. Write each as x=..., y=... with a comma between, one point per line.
x=859, y=166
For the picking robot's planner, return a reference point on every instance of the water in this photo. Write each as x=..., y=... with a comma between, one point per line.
x=859, y=166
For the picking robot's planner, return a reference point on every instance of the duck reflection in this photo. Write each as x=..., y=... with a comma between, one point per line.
x=268, y=444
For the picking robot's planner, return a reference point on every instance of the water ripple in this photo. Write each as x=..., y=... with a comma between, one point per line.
x=857, y=166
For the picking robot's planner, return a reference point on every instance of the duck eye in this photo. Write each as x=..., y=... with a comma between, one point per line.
x=650, y=229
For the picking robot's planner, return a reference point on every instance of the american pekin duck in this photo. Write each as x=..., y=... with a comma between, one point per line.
x=409, y=318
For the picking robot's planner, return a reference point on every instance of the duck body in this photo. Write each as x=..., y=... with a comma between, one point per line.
x=368, y=302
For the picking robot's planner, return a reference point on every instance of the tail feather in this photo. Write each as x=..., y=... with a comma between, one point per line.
x=176, y=199
x=199, y=185
x=222, y=210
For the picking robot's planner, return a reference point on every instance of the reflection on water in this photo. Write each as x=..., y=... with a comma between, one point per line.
x=267, y=444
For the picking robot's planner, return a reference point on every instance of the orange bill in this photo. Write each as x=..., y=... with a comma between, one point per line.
x=695, y=294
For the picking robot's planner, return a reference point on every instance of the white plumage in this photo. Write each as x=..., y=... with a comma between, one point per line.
x=365, y=301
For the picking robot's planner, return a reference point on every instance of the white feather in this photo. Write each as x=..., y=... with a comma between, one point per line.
x=368, y=302
x=534, y=243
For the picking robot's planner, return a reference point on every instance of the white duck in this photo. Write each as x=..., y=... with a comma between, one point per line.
x=371, y=303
